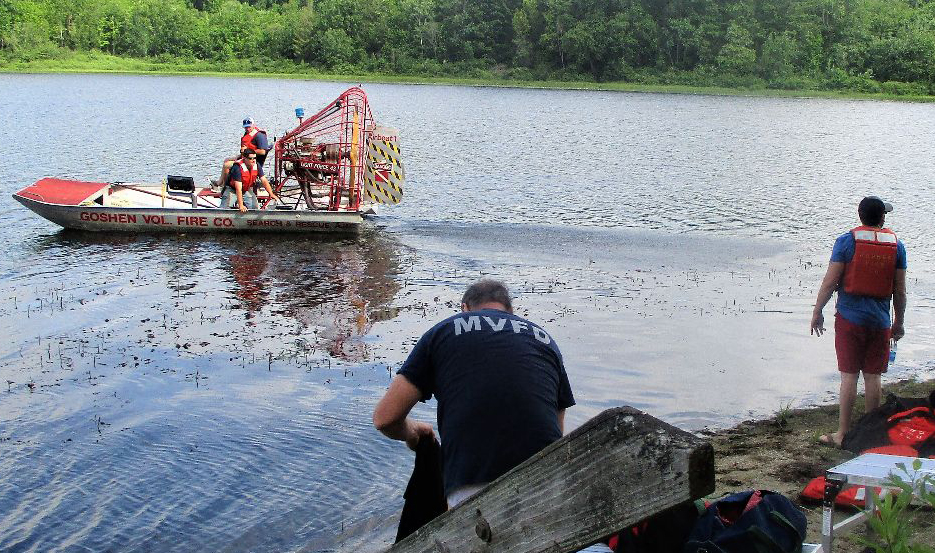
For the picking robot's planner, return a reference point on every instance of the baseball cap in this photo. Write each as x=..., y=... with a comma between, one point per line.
x=247, y=122
x=873, y=204
x=872, y=209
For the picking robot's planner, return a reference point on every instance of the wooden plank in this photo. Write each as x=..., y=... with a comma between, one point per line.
x=615, y=470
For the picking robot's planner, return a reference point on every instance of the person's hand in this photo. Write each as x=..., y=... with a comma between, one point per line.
x=818, y=323
x=897, y=331
x=417, y=430
x=241, y=207
x=274, y=198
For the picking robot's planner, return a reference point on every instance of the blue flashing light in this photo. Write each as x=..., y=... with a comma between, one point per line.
x=299, y=112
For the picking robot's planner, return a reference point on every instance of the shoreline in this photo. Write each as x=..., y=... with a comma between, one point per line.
x=779, y=453
x=782, y=453
x=94, y=64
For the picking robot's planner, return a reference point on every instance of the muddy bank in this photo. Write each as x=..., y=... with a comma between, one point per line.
x=782, y=453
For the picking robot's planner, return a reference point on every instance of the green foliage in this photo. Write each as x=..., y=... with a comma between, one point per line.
x=896, y=88
x=839, y=79
x=777, y=60
x=859, y=45
x=784, y=414
x=737, y=56
x=893, y=532
x=337, y=49
x=24, y=26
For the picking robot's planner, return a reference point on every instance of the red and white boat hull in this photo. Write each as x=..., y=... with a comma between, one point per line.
x=145, y=208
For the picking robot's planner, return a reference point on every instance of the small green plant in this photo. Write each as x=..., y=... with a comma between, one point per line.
x=784, y=414
x=892, y=528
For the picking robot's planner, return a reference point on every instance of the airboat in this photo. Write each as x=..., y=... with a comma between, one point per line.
x=329, y=172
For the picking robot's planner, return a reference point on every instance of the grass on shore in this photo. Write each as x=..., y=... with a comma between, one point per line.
x=99, y=62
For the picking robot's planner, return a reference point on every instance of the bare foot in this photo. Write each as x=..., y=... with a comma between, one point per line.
x=830, y=440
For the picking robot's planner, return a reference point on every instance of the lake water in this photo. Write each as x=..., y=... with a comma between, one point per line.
x=180, y=393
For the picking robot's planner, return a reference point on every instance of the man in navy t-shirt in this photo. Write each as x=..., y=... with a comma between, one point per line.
x=501, y=388
x=867, y=268
x=241, y=186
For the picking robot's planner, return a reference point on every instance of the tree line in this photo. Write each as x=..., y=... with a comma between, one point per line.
x=864, y=45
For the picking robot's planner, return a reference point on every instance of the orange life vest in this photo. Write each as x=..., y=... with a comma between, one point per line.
x=873, y=267
x=248, y=177
x=246, y=141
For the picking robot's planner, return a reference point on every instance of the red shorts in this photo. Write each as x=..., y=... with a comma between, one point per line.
x=860, y=348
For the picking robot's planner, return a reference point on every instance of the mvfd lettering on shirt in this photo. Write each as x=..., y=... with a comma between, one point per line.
x=474, y=322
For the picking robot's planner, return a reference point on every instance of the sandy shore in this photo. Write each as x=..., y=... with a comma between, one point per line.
x=783, y=454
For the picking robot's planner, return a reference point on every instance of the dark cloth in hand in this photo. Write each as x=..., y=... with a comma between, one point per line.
x=425, y=494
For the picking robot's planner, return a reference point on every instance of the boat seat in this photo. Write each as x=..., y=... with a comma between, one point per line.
x=182, y=186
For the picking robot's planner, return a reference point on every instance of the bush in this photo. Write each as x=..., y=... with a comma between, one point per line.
x=699, y=77
x=749, y=81
x=792, y=82
x=619, y=70
x=839, y=79
x=570, y=75
x=44, y=51
x=644, y=76
x=897, y=88
x=521, y=74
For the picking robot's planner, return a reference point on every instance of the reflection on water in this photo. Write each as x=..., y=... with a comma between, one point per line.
x=358, y=283
x=333, y=287
x=173, y=377
x=247, y=269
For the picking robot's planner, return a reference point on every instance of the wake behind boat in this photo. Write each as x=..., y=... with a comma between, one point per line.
x=329, y=172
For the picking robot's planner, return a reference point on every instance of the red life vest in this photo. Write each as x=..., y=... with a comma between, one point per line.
x=853, y=495
x=912, y=427
x=248, y=177
x=246, y=141
x=873, y=267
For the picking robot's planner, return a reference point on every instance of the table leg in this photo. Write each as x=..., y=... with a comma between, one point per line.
x=833, y=485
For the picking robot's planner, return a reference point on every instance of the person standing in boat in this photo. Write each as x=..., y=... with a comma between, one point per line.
x=244, y=175
x=501, y=387
x=868, y=269
x=254, y=138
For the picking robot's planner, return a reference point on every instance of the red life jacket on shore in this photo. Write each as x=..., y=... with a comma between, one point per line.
x=912, y=427
x=248, y=177
x=873, y=267
x=852, y=495
x=246, y=141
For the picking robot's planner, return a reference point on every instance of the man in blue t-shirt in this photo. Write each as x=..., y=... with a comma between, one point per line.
x=867, y=268
x=253, y=138
x=501, y=388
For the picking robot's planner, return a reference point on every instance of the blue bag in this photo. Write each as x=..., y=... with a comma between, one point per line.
x=755, y=521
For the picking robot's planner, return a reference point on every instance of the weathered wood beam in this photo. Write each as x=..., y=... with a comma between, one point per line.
x=615, y=470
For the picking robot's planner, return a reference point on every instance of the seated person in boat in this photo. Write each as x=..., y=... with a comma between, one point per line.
x=501, y=388
x=253, y=138
x=244, y=175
